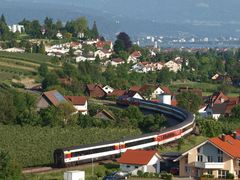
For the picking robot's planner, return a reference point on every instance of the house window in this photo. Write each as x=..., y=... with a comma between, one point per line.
x=222, y=174
x=136, y=167
x=200, y=158
x=219, y=151
x=210, y=159
x=209, y=172
x=239, y=163
x=186, y=169
x=128, y=166
x=220, y=159
x=198, y=150
x=186, y=160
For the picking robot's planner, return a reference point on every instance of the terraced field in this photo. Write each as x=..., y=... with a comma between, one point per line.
x=22, y=64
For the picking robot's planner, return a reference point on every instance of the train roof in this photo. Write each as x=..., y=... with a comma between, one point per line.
x=189, y=119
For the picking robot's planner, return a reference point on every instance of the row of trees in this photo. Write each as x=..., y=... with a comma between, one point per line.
x=50, y=28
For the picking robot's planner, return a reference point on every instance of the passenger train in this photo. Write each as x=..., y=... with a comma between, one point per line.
x=87, y=153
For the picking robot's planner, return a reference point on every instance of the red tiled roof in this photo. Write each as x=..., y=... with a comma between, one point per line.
x=139, y=157
x=136, y=54
x=135, y=88
x=101, y=44
x=117, y=92
x=230, y=146
x=166, y=90
x=117, y=60
x=76, y=100
x=54, y=97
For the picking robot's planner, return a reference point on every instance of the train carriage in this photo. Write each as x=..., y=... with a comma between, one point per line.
x=87, y=153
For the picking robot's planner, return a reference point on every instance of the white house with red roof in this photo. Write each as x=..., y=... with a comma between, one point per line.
x=117, y=61
x=216, y=156
x=79, y=103
x=133, y=161
x=104, y=45
x=134, y=57
x=103, y=53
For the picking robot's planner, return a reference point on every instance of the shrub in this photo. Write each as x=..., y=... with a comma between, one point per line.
x=165, y=175
x=100, y=173
x=139, y=173
x=230, y=176
x=146, y=174
x=18, y=85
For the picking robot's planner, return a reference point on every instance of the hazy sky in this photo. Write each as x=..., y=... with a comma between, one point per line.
x=218, y=14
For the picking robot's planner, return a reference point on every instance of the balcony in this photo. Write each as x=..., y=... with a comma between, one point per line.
x=209, y=165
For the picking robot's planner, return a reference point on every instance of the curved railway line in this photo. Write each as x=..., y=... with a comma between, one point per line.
x=92, y=152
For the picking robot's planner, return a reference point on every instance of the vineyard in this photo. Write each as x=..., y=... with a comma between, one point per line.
x=34, y=146
x=22, y=64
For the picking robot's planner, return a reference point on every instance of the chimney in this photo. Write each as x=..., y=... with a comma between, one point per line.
x=235, y=135
x=223, y=137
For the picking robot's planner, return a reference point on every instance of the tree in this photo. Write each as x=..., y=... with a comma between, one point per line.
x=42, y=48
x=80, y=25
x=9, y=169
x=51, y=79
x=236, y=112
x=118, y=46
x=165, y=76
x=43, y=69
x=95, y=33
x=189, y=101
x=3, y=20
x=125, y=39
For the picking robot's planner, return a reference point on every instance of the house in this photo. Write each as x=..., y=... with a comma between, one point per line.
x=79, y=103
x=104, y=114
x=83, y=58
x=133, y=161
x=59, y=35
x=103, y=54
x=144, y=67
x=95, y=90
x=108, y=89
x=216, y=156
x=14, y=50
x=134, y=94
x=117, y=61
x=222, y=109
x=150, y=91
x=173, y=66
x=134, y=57
x=16, y=28
x=117, y=93
x=104, y=45
x=50, y=98
x=218, y=104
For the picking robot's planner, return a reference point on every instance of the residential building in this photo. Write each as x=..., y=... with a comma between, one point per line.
x=108, y=89
x=16, y=28
x=14, y=50
x=50, y=98
x=79, y=103
x=102, y=54
x=133, y=161
x=195, y=91
x=134, y=57
x=104, y=45
x=95, y=90
x=83, y=58
x=104, y=114
x=117, y=93
x=117, y=61
x=216, y=156
x=173, y=66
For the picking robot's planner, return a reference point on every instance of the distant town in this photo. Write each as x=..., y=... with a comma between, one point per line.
x=75, y=104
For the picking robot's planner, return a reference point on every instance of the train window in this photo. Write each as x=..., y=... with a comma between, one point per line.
x=93, y=151
x=135, y=143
